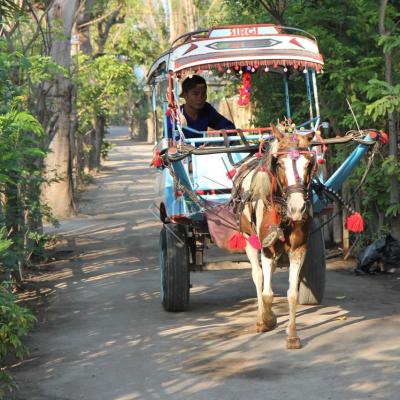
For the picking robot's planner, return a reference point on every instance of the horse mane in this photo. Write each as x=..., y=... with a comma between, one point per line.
x=258, y=182
x=253, y=179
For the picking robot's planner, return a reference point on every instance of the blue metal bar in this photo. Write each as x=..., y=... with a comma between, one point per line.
x=154, y=97
x=315, y=91
x=218, y=139
x=308, y=122
x=182, y=175
x=287, y=99
x=342, y=173
x=203, y=133
x=309, y=96
x=165, y=125
x=164, y=110
x=187, y=205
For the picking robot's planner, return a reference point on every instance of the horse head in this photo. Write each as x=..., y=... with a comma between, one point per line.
x=292, y=165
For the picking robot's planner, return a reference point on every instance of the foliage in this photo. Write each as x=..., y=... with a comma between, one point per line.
x=388, y=98
x=15, y=322
x=8, y=9
x=102, y=82
x=22, y=147
x=106, y=147
x=354, y=70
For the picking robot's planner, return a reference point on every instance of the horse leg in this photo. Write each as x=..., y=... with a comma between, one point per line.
x=268, y=316
x=296, y=258
x=257, y=274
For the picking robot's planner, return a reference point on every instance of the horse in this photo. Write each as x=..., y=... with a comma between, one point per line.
x=271, y=201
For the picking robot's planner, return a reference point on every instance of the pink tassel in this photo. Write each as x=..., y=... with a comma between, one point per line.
x=355, y=223
x=255, y=242
x=230, y=174
x=237, y=241
x=259, y=154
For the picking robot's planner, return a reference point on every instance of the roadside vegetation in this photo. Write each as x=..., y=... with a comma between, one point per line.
x=68, y=68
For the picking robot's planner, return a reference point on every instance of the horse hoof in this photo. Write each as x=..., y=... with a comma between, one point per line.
x=265, y=327
x=261, y=327
x=293, y=343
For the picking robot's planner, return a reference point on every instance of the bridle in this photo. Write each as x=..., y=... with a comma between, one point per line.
x=298, y=186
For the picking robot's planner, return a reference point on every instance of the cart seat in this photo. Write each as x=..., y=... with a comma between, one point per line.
x=210, y=171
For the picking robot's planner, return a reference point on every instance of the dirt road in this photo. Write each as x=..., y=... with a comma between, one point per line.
x=102, y=334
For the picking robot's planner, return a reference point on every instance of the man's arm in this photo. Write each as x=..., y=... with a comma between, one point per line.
x=218, y=121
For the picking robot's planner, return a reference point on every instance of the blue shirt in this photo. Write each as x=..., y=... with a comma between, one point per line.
x=208, y=117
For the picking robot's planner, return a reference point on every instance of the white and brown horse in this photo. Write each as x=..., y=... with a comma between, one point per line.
x=274, y=213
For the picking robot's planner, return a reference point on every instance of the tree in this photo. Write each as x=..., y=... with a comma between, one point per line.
x=59, y=194
x=181, y=17
x=392, y=120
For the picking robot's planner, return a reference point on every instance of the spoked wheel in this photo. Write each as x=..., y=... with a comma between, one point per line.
x=312, y=275
x=174, y=268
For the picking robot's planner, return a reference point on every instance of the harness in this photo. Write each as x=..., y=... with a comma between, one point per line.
x=298, y=186
x=276, y=204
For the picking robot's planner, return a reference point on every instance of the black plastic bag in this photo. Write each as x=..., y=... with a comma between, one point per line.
x=379, y=255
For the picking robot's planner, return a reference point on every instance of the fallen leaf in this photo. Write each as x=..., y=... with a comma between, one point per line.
x=341, y=318
x=340, y=297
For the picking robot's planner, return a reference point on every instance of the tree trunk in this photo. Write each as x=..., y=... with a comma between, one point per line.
x=59, y=194
x=190, y=15
x=181, y=17
x=99, y=125
x=83, y=45
x=394, y=189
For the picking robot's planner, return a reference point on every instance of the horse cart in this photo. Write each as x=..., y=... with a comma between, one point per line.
x=195, y=176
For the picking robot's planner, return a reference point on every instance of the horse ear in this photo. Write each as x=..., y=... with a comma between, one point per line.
x=276, y=132
x=305, y=140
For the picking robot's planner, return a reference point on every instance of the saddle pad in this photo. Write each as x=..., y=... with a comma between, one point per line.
x=221, y=225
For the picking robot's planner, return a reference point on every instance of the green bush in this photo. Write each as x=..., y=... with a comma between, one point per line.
x=15, y=322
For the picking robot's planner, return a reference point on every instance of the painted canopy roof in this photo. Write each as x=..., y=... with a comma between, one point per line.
x=239, y=46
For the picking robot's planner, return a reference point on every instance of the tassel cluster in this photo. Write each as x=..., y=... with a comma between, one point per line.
x=238, y=241
x=254, y=242
x=245, y=89
x=355, y=223
x=157, y=160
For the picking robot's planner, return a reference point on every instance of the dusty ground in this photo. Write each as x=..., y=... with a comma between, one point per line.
x=102, y=334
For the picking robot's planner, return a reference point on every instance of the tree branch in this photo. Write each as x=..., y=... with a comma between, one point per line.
x=276, y=8
x=94, y=21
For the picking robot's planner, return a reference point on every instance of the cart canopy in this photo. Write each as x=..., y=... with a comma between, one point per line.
x=274, y=47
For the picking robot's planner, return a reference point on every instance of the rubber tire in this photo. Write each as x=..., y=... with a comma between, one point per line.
x=313, y=272
x=174, y=268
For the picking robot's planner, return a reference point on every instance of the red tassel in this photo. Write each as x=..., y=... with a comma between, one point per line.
x=259, y=154
x=237, y=241
x=264, y=168
x=255, y=242
x=383, y=137
x=230, y=174
x=157, y=160
x=355, y=223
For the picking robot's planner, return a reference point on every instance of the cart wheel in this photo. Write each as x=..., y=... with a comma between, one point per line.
x=174, y=268
x=312, y=275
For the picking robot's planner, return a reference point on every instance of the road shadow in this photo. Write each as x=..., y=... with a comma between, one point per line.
x=102, y=333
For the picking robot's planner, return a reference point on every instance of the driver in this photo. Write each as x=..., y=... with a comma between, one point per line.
x=197, y=112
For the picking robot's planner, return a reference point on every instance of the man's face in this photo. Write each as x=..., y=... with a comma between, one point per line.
x=196, y=97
